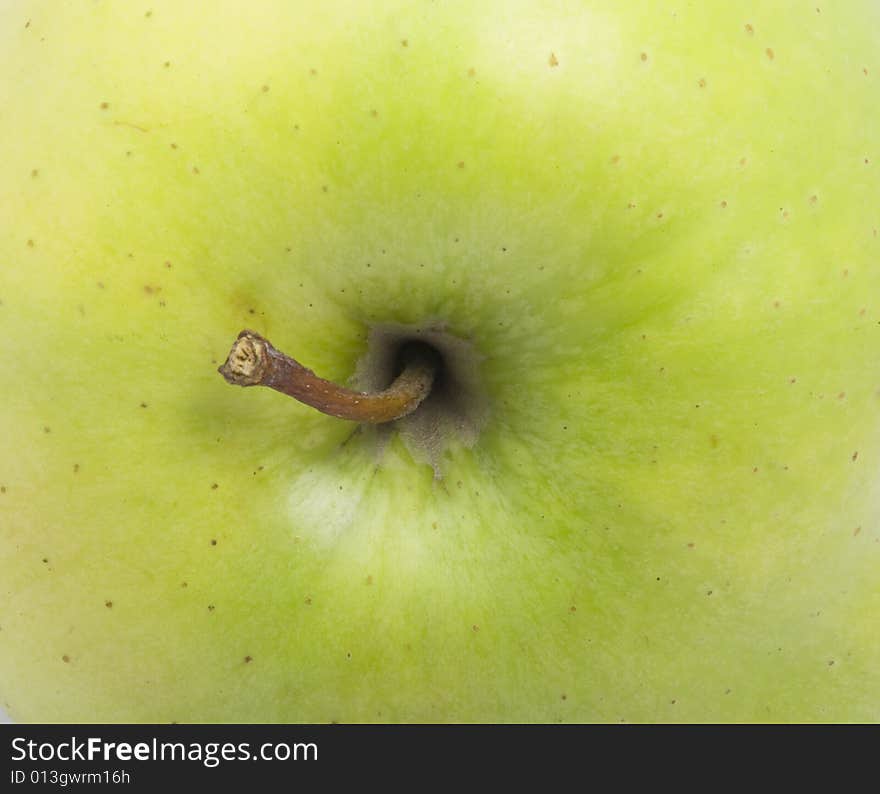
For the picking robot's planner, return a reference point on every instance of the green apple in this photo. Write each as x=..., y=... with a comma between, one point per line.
x=642, y=236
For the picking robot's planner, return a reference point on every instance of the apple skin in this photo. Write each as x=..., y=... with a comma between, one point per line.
x=656, y=223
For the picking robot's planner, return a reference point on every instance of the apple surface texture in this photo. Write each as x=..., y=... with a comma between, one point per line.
x=642, y=242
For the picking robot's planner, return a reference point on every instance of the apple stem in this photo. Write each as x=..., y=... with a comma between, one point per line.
x=254, y=361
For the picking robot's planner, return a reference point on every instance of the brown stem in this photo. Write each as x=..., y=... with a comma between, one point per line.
x=253, y=361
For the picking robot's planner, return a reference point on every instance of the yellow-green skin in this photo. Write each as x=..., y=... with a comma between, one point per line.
x=657, y=222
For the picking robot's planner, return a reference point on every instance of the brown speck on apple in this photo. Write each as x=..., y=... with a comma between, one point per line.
x=855, y=456
x=572, y=608
x=770, y=54
x=723, y=205
x=210, y=607
x=65, y=658
x=554, y=61
x=750, y=29
x=144, y=405
x=35, y=172
x=615, y=159
x=248, y=659
x=47, y=429
x=308, y=601
x=461, y=163
x=856, y=531
x=404, y=42
x=30, y=243
x=195, y=170
x=265, y=88
x=644, y=56
x=213, y=541
x=742, y=161
x=475, y=627
x=2, y=489
x=108, y=604
x=368, y=580
x=701, y=82
x=105, y=105
x=214, y=486
x=76, y=468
